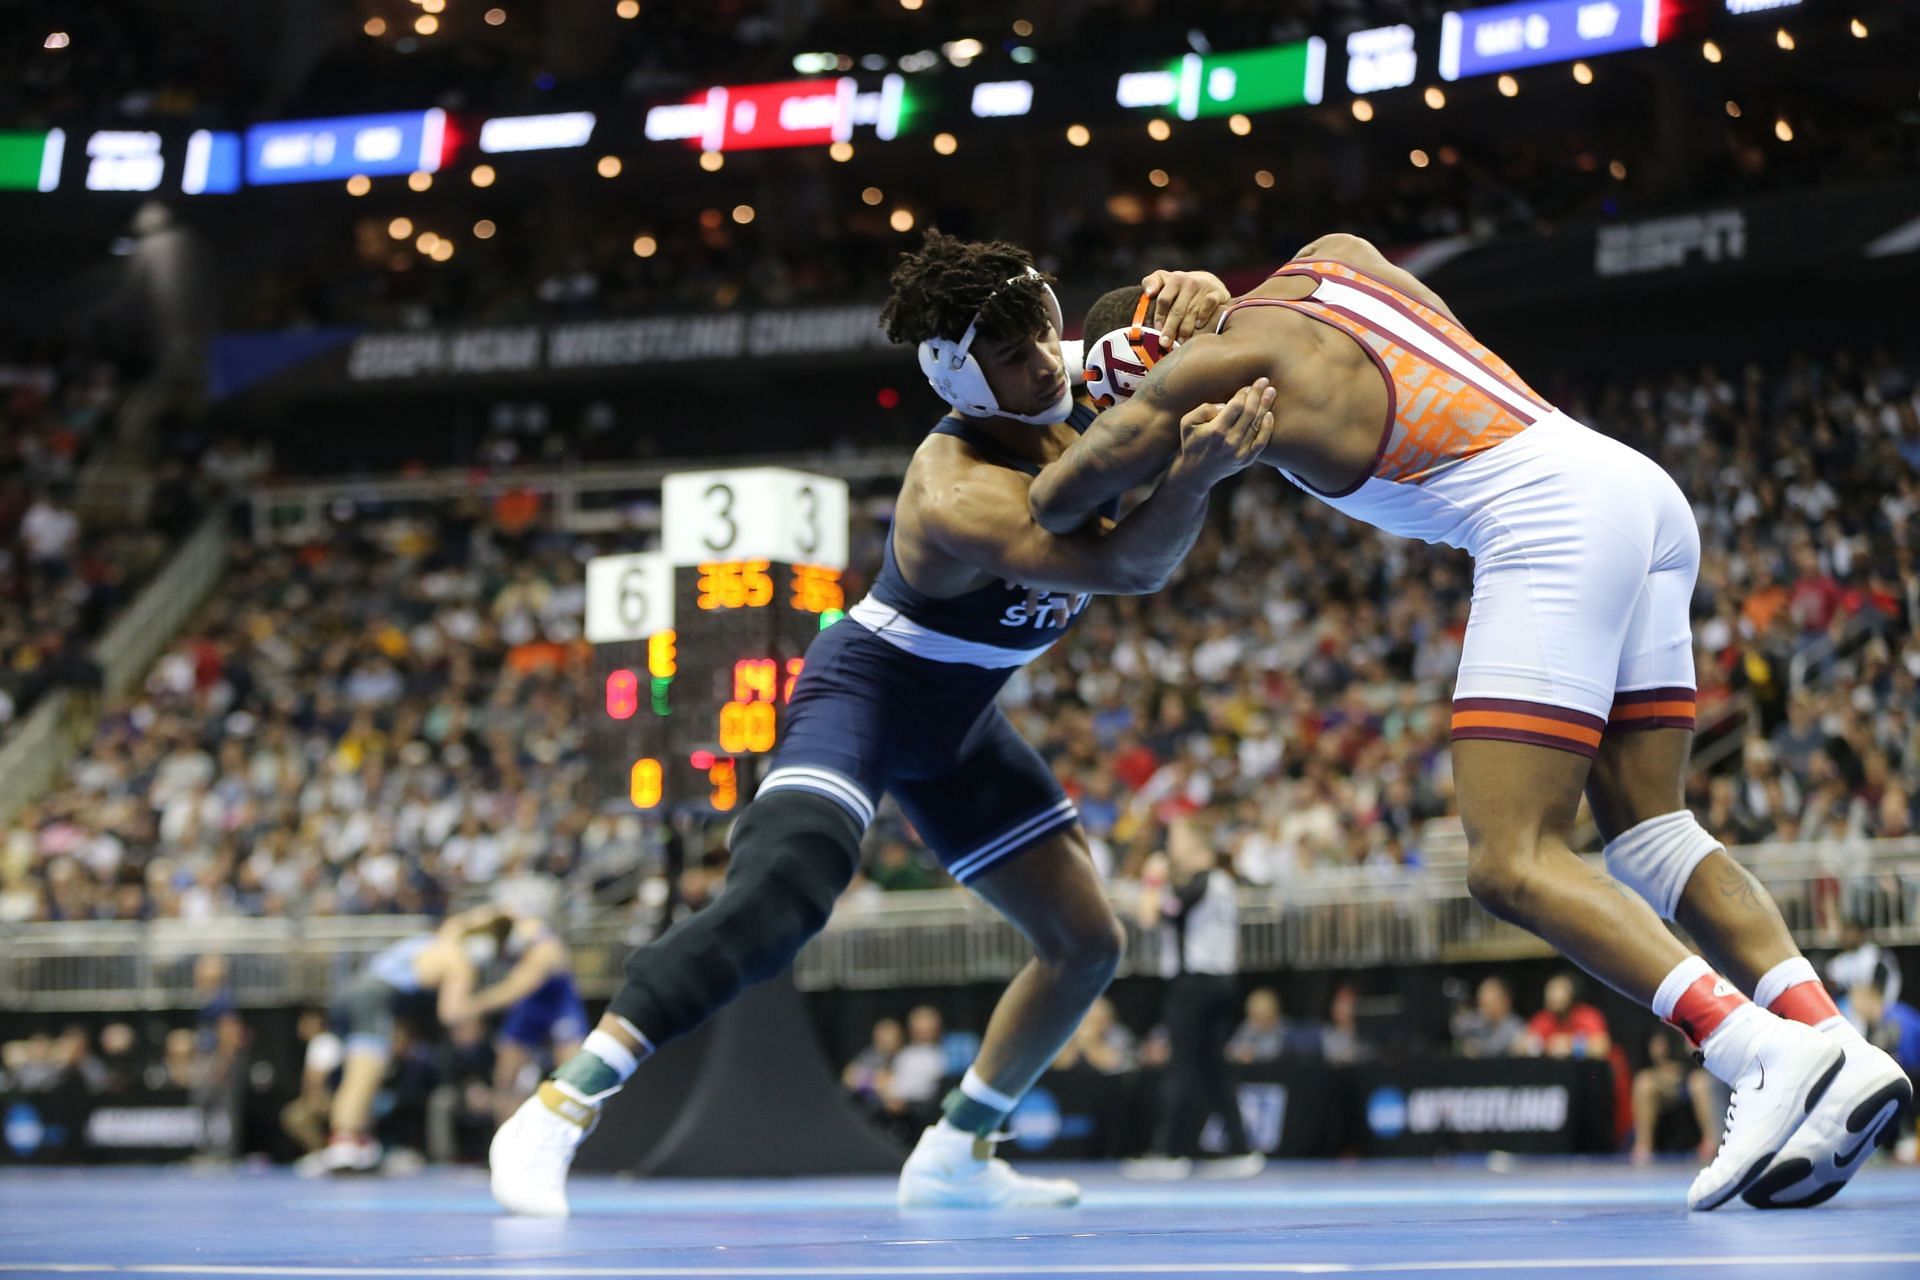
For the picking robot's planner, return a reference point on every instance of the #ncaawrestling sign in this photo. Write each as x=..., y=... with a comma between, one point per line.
x=612, y=344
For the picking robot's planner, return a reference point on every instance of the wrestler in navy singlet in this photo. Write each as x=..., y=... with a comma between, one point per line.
x=899, y=696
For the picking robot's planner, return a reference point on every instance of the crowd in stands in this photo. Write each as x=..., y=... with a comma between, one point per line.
x=368, y=723
x=63, y=575
x=391, y=715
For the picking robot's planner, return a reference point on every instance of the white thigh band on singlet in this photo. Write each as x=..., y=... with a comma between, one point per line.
x=837, y=787
x=903, y=632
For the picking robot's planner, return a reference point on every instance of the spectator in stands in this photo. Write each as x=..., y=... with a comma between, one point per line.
x=1892, y=1024
x=76, y=1061
x=869, y=1076
x=913, y=1087
x=1671, y=1095
x=1567, y=1027
x=220, y=1048
x=895, y=867
x=1101, y=1042
x=463, y=1108
x=305, y=1118
x=121, y=1058
x=1341, y=1040
x=1262, y=1036
x=1490, y=1029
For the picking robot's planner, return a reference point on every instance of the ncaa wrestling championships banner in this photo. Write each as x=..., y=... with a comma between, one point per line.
x=1830, y=228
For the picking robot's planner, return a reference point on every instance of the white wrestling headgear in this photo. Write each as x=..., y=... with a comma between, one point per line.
x=1119, y=362
x=958, y=378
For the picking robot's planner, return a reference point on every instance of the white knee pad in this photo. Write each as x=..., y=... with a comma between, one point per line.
x=1657, y=858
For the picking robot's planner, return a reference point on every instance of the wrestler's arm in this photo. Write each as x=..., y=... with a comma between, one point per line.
x=1136, y=439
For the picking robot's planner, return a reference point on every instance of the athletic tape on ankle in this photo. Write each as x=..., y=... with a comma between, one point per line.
x=646, y=1045
x=1656, y=858
x=1778, y=980
x=1709, y=1002
x=985, y=1094
x=619, y=1059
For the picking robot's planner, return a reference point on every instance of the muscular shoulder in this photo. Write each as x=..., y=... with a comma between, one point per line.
x=1344, y=246
x=952, y=496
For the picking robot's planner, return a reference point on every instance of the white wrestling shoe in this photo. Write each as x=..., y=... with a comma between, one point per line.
x=1789, y=1069
x=952, y=1169
x=1839, y=1135
x=340, y=1156
x=533, y=1150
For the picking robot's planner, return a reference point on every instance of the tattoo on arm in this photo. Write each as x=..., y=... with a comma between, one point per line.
x=1738, y=888
x=1602, y=879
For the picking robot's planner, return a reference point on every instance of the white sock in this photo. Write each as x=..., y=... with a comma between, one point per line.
x=1684, y=975
x=1726, y=1051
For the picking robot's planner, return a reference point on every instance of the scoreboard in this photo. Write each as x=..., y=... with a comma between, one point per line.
x=697, y=646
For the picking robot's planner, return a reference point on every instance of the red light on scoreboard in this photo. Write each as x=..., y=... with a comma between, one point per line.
x=663, y=655
x=817, y=589
x=623, y=694
x=724, y=780
x=643, y=785
x=735, y=584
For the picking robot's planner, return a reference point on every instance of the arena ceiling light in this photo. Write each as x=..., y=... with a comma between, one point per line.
x=1195, y=85
x=1759, y=6
x=536, y=133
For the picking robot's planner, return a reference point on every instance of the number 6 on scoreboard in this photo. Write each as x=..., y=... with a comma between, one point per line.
x=628, y=597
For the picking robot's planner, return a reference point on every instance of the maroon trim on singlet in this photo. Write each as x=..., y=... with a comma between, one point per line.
x=1393, y=388
x=1382, y=293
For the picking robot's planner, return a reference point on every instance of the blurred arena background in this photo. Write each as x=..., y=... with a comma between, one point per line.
x=342, y=334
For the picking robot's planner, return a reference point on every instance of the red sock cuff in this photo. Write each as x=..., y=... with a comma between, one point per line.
x=1702, y=1007
x=1806, y=1002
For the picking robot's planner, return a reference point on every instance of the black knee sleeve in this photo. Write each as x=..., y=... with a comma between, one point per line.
x=793, y=853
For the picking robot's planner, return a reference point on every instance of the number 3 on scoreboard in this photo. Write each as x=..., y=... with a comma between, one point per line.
x=722, y=530
x=754, y=513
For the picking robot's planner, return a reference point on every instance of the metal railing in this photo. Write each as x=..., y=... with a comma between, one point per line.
x=585, y=499
x=1345, y=920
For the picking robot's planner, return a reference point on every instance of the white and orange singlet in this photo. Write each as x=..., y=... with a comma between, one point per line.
x=1585, y=551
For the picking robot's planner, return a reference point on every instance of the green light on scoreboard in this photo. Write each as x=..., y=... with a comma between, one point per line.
x=830, y=616
x=30, y=161
x=661, y=707
x=1283, y=75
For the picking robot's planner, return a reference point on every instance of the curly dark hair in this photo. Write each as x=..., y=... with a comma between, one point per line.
x=1112, y=310
x=938, y=291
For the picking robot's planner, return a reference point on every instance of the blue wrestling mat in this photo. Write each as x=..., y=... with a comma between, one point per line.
x=1520, y=1218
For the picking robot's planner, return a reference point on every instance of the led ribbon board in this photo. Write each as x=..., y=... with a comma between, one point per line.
x=1478, y=42
x=324, y=150
x=30, y=161
x=536, y=133
x=213, y=164
x=791, y=113
x=1195, y=85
